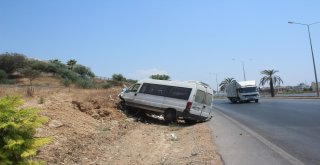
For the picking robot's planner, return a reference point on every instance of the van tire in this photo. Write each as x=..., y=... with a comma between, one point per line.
x=189, y=121
x=256, y=100
x=122, y=105
x=170, y=115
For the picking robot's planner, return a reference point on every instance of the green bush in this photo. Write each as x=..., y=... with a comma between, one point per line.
x=7, y=81
x=37, y=65
x=66, y=82
x=107, y=85
x=84, y=83
x=3, y=75
x=68, y=74
x=17, y=129
x=118, y=77
x=3, y=78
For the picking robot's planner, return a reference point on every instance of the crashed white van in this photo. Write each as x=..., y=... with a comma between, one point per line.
x=190, y=100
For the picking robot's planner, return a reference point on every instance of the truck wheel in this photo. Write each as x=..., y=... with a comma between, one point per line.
x=256, y=100
x=170, y=116
x=233, y=100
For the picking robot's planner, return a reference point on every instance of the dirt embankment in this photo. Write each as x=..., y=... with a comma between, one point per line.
x=87, y=129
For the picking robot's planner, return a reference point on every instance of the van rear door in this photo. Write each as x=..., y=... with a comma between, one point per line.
x=207, y=108
x=199, y=102
x=202, y=105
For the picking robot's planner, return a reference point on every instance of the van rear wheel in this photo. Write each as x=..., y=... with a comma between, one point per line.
x=170, y=116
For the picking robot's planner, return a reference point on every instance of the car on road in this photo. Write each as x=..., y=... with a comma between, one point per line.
x=189, y=100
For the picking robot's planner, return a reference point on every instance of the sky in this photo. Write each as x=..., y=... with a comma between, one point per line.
x=204, y=40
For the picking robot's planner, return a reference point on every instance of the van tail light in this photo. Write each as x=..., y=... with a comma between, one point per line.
x=189, y=105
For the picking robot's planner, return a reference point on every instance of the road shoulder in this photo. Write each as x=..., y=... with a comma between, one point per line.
x=239, y=146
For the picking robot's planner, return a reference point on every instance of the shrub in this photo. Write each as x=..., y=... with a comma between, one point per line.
x=118, y=77
x=41, y=100
x=3, y=75
x=66, y=82
x=17, y=130
x=84, y=83
x=37, y=65
x=68, y=74
x=7, y=81
x=107, y=85
x=51, y=68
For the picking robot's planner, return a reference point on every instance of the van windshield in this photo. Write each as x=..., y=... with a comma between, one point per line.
x=248, y=90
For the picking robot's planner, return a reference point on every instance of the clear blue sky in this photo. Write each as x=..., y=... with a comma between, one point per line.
x=187, y=39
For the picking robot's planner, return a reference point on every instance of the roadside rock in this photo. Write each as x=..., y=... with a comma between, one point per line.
x=55, y=124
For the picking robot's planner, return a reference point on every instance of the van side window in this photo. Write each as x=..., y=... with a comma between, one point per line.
x=209, y=99
x=134, y=88
x=200, y=96
x=154, y=89
x=179, y=93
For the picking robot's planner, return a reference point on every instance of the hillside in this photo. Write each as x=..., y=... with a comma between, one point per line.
x=87, y=128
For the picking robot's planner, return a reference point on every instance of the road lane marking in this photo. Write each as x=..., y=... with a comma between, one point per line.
x=269, y=144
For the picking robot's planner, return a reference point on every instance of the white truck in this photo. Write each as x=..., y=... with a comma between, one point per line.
x=244, y=91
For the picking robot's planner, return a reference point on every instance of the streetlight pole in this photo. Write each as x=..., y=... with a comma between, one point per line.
x=314, y=65
x=244, y=72
x=217, y=83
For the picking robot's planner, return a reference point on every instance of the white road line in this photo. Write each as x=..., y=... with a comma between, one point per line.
x=272, y=146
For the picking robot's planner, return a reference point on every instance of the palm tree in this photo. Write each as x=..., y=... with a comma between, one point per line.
x=71, y=63
x=225, y=82
x=269, y=76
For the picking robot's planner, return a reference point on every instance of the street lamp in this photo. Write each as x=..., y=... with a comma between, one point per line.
x=216, y=81
x=244, y=72
x=314, y=65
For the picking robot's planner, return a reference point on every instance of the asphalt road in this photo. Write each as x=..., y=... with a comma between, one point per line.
x=286, y=129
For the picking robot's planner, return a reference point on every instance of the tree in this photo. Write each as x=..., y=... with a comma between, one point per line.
x=271, y=78
x=30, y=73
x=66, y=82
x=17, y=131
x=83, y=71
x=71, y=63
x=10, y=62
x=160, y=77
x=226, y=82
x=118, y=77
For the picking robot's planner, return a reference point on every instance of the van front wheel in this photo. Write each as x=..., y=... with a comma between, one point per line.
x=170, y=116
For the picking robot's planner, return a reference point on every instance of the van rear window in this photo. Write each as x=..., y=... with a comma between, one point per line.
x=165, y=90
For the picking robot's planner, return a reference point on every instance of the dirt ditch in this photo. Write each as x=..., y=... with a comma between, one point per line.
x=87, y=128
